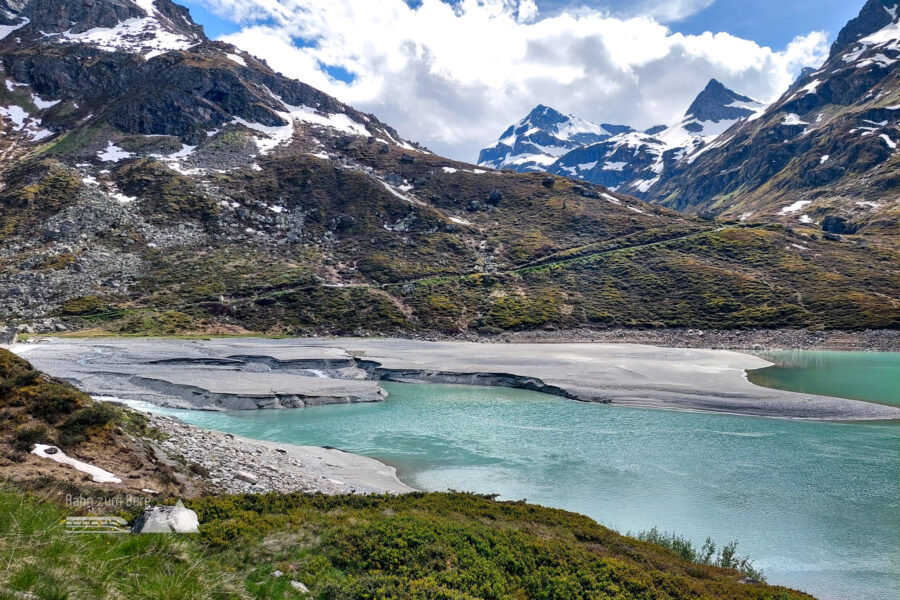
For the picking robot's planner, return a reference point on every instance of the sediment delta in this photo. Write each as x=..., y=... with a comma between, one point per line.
x=277, y=373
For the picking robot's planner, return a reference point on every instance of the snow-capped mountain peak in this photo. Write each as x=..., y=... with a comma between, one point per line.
x=875, y=16
x=617, y=156
x=146, y=27
x=539, y=139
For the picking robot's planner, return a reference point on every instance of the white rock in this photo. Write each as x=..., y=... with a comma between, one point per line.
x=299, y=587
x=167, y=519
x=245, y=476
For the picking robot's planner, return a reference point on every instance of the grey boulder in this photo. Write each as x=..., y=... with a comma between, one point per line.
x=167, y=519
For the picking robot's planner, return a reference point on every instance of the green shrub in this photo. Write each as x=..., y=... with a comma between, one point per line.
x=726, y=558
x=75, y=429
x=51, y=401
x=24, y=438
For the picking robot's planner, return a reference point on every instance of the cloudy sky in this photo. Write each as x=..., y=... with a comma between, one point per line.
x=453, y=74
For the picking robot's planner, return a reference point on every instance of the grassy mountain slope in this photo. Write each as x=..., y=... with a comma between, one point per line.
x=197, y=190
x=452, y=546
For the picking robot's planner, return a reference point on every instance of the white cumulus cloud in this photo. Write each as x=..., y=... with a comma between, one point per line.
x=454, y=77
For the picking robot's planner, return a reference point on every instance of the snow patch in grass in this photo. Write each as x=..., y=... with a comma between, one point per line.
x=796, y=206
x=123, y=198
x=237, y=58
x=113, y=153
x=96, y=473
x=824, y=159
x=887, y=140
x=43, y=104
x=793, y=119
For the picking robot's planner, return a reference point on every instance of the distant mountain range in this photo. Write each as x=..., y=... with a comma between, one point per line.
x=616, y=156
x=153, y=181
x=824, y=154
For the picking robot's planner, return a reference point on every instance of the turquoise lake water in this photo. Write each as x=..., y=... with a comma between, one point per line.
x=815, y=504
x=870, y=376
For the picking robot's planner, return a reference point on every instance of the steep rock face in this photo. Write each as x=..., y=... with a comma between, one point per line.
x=828, y=146
x=540, y=138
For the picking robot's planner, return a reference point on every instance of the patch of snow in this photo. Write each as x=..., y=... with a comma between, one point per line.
x=479, y=171
x=113, y=153
x=811, y=87
x=805, y=219
x=887, y=140
x=90, y=180
x=460, y=221
x=404, y=197
x=792, y=208
x=43, y=104
x=322, y=155
x=793, y=119
x=884, y=35
x=645, y=184
x=16, y=114
x=824, y=159
x=614, y=166
x=587, y=166
x=185, y=151
x=449, y=170
x=276, y=209
x=5, y=30
x=867, y=204
x=338, y=121
x=237, y=58
x=275, y=135
x=612, y=199
x=96, y=473
x=145, y=35
x=635, y=209
x=24, y=122
x=799, y=247
x=123, y=198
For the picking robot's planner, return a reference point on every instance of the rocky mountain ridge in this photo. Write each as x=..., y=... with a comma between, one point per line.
x=539, y=139
x=622, y=159
x=824, y=154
